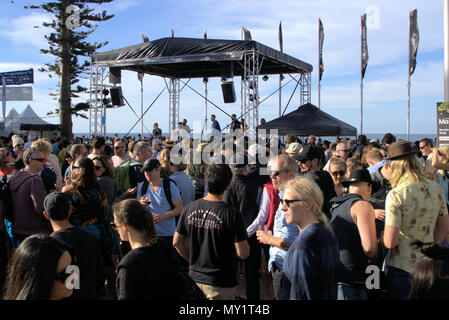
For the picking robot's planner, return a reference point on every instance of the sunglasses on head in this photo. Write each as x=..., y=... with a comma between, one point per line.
x=288, y=202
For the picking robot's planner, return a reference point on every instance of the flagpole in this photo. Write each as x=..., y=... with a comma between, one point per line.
x=280, y=75
x=361, y=81
x=319, y=63
x=409, y=84
x=446, y=50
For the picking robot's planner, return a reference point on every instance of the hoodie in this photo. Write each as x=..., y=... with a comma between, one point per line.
x=28, y=194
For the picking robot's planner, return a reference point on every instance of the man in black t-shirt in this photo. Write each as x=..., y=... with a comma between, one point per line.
x=88, y=256
x=211, y=236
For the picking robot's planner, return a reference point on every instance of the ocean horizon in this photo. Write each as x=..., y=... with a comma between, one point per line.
x=399, y=136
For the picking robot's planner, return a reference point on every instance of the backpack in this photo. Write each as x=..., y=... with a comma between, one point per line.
x=167, y=192
x=121, y=176
x=5, y=195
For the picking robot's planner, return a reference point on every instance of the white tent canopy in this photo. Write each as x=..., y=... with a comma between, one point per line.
x=28, y=116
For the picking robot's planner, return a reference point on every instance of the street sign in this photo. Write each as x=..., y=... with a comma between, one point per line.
x=442, y=123
x=19, y=94
x=18, y=77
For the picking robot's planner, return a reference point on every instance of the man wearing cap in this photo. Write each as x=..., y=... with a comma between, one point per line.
x=415, y=209
x=18, y=146
x=242, y=195
x=155, y=200
x=354, y=227
x=309, y=159
x=57, y=210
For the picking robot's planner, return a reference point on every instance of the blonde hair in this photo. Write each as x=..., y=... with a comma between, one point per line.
x=406, y=167
x=307, y=189
x=444, y=150
x=337, y=161
x=43, y=145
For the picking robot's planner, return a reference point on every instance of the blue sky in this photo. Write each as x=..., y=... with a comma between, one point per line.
x=385, y=82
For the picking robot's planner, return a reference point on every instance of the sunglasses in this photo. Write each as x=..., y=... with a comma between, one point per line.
x=288, y=202
x=115, y=226
x=338, y=173
x=116, y=148
x=98, y=167
x=277, y=172
x=346, y=150
x=38, y=159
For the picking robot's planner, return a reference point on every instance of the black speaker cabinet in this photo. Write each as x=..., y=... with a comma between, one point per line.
x=228, y=92
x=115, y=75
x=116, y=96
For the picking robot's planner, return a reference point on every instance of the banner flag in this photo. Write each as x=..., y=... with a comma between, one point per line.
x=3, y=97
x=413, y=41
x=145, y=38
x=364, y=46
x=321, y=40
x=246, y=34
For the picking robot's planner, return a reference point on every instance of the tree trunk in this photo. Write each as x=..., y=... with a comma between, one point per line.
x=65, y=102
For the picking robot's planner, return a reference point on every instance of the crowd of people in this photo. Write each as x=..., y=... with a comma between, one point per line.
x=119, y=218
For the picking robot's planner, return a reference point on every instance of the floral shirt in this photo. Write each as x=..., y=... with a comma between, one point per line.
x=414, y=209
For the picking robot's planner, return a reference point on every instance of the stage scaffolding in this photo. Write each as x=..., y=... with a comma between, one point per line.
x=161, y=58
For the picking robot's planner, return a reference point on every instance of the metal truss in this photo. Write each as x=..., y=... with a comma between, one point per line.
x=250, y=89
x=305, y=82
x=97, y=109
x=174, y=90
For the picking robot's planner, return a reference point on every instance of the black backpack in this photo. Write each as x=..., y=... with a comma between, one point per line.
x=167, y=192
x=5, y=195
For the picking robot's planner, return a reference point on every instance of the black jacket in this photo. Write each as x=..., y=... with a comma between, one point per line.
x=242, y=195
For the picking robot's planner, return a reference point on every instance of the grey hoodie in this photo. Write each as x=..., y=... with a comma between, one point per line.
x=28, y=194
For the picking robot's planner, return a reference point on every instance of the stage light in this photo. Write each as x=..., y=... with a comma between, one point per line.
x=205, y=80
x=265, y=78
x=105, y=92
x=223, y=80
x=251, y=85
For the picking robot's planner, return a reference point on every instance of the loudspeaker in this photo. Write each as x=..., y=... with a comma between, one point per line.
x=116, y=96
x=227, y=69
x=228, y=92
x=115, y=75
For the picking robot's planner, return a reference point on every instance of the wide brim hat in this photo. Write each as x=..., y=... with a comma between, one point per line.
x=168, y=142
x=358, y=175
x=293, y=147
x=399, y=149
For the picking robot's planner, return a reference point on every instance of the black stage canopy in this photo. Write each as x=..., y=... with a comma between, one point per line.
x=307, y=120
x=196, y=58
x=39, y=127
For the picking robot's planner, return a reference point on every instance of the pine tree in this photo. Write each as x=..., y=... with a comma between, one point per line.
x=73, y=21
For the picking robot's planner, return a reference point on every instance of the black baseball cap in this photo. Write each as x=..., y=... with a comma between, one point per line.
x=150, y=164
x=57, y=205
x=308, y=152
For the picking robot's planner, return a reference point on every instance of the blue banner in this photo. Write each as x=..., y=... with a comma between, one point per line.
x=18, y=77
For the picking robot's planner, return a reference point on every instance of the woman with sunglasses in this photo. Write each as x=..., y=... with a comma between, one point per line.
x=148, y=271
x=105, y=175
x=38, y=270
x=91, y=210
x=337, y=169
x=311, y=264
